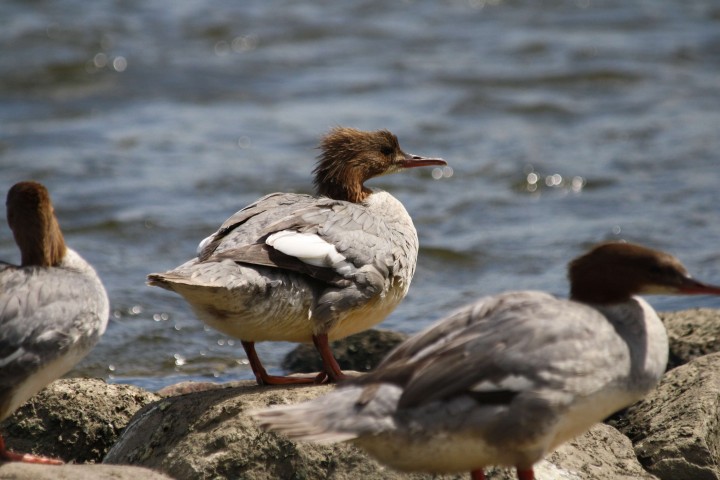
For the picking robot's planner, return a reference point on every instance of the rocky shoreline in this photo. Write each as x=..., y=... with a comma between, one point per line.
x=199, y=430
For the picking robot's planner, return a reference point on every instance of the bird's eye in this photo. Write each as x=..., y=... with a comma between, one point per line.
x=386, y=150
x=663, y=271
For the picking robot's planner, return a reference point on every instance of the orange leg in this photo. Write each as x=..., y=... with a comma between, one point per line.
x=8, y=456
x=477, y=475
x=261, y=374
x=331, y=369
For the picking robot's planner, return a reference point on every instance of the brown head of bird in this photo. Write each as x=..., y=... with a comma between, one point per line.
x=349, y=157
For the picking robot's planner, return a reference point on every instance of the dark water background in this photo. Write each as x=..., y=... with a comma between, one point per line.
x=565, y=122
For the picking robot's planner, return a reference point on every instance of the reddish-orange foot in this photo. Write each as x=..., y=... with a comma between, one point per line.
x=477, y=475
x=261, y=374
x=331, y=370
x=8, y=456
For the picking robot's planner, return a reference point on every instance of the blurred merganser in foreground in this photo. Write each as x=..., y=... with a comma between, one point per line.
x=53, y=307
x=507, y=379
x=301, y=268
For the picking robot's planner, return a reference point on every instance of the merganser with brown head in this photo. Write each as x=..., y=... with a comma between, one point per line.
x=509, y=378
x=53, y=306
x=301, y=268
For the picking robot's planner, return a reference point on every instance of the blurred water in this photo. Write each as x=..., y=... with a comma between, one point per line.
x=566, y=123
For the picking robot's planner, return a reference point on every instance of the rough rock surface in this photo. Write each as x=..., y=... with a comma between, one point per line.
x=207, y=434
x=27, y=471
x=692, y=334
x=360, y=352
x=675, y=428
x=603, y=453
x=74, y=420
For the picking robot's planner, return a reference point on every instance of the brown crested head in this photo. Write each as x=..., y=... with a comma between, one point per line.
x=613, y=272
x=349, y=157
x=31, y=217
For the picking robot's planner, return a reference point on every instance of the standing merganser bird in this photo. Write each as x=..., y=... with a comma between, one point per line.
x=507, y=379
x=53, y=307
x=301, y=268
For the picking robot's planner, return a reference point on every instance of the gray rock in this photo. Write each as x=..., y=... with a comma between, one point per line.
x=207, y=434
x=360, y=352
x=603, y=453
x=675, y=428
x=29, y=471
x=692, y=333
x=74, y=419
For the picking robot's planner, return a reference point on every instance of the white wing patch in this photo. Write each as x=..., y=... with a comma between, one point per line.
x=311, y=249
x=203, y=244
x=513, y=383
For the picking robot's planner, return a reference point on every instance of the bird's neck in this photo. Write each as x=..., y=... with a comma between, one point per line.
x=44, y=250
x=349, y=190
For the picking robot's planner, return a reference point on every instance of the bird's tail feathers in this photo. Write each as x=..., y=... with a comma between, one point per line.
x=300, y=422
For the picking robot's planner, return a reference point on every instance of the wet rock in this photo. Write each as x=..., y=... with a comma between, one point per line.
x=360, y=352
x=692, y=334
x=28, y=471
x=207, y=434
x=675, y=428
x=74, y=419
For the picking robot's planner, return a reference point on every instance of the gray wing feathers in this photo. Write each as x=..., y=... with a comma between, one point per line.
x=355, y=233
x=520, y=340
x=245, y=226
x=43, y=314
